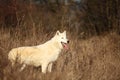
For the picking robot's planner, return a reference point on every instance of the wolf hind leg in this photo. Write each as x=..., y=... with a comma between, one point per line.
x=23, y=66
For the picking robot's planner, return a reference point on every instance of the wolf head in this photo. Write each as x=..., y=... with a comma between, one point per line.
x=62, y=39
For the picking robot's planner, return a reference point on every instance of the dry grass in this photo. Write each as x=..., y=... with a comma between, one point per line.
x=96, y=58
x=93, y=58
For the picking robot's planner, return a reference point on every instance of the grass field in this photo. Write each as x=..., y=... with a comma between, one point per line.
x=95, y=58
x=90, y=57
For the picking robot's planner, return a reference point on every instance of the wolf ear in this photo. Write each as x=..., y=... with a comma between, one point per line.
x=58, y=32
x=64, y=32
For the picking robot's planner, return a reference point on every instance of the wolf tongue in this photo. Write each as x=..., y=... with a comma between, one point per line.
x=65, y=46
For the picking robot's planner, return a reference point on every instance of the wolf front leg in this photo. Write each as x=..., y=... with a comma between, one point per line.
x=13, y=63
x=44, y=67
x=50, y=67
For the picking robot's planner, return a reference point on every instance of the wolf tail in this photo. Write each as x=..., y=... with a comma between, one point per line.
x=12, y=56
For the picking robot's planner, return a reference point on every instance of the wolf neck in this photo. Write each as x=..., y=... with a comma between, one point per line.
x=56, y=43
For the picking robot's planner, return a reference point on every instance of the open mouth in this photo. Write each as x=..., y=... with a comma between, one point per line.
x=65, y=46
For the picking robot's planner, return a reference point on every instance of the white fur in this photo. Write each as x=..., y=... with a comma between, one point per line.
x=41, y=55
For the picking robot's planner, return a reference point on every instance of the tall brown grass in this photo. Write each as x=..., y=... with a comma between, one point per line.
x=93, y=58
x=96, y=58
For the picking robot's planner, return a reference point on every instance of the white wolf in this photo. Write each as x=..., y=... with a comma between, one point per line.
x=41, y=55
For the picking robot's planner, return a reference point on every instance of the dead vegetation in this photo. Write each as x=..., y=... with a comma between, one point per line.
x=96, y=58
x=91, y=56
